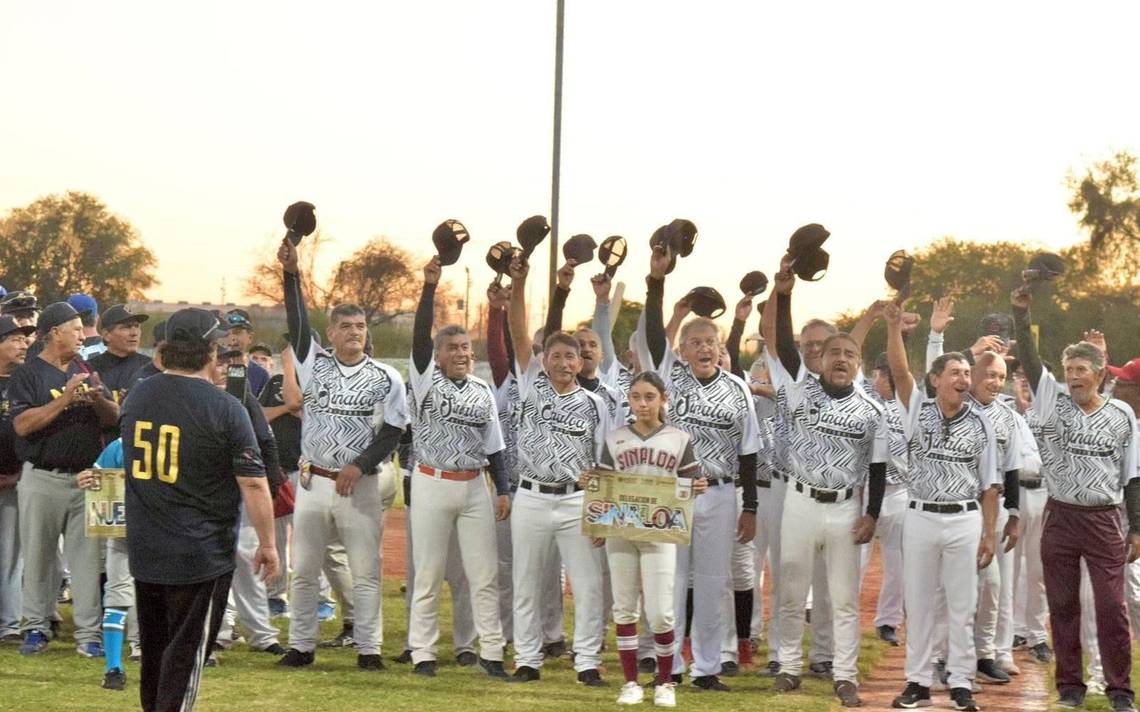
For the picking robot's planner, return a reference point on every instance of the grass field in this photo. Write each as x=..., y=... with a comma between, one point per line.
x=59, y=679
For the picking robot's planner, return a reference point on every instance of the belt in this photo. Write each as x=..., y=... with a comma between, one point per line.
x=549, y=489
x=948, y=508
x=461, y=476
x=716, y=481
x=763, y=484
x=322, y=472
x=824, y=496
x=1031, y=484
x=58, y=470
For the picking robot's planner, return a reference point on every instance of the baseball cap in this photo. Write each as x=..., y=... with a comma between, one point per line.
x=56, y=314
x=118, y=314
x=18, y=301
x=238, y=319
x=3, y=292
x=83, y=303
x=1129, y=372
x=261, y=347
x=8, y=325
x=159, y=332
x=449, y=237
x=193, y=326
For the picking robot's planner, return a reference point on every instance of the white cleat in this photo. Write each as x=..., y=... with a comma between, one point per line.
x=631, y=694
x=665, y=695
x=1008, y=667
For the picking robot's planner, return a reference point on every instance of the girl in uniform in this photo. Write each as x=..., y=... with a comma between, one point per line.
x=645, y=570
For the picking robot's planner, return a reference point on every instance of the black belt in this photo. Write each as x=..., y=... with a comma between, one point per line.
x=549, y=489
x=825, y=496
x=715, y=481
x=954, y=508
x=58, y=470
x=764, y=484
x=1031, y=484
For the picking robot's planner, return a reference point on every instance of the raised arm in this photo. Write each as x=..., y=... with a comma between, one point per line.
x=681, y=310
x=653, y=318
x=896, y=354
x=783, y=343
x=425, y=315
x=296, y=314
x=558, y=301
x=497, y=354
x=866, y=321
x=602, y=322
x=736, y=333
x=940, y=318
x=520, y=335
x=1027, y=353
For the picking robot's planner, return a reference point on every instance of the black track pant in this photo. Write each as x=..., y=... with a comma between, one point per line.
x=177, y=628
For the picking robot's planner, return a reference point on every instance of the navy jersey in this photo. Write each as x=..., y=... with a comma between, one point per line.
x=9, y=462
x=184, y=443
x=118, y=373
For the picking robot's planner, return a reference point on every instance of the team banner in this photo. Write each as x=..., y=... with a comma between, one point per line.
x=105, y=505
x=638, y=507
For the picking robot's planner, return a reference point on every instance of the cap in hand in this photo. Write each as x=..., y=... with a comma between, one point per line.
x=300, y=220
x=579, y=248
x=612, y=253
x=706, y=302
x=754, y=283
x=531, y=232
x=449, y=237
x=809, y=259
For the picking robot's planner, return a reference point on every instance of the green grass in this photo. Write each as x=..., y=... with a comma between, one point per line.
x=58, y=679
x=1097, y=703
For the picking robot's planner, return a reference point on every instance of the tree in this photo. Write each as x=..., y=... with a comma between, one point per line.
x=62, y=244
x=380, y=278
x=265, y=281
x=1107, y=202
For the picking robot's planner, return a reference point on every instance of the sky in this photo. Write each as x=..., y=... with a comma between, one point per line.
x=892, y=124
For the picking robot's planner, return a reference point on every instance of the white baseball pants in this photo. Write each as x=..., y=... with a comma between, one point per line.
x=889, y=531
x=708, y=559
x=248, y=598
x=540, y=525
x=813, y=532
x=941, y=550
x=993, y=626
x=767, y=532
x=642, y=569
x=463, y=633
x=11, y=564
x=119, y=590
x=441, y=508
x=320, y=515
x=1030, y=607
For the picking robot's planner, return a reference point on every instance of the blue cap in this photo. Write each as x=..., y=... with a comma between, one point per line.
x=3, y=292
x=83, y=303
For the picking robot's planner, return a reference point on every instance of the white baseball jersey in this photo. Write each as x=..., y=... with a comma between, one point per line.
x=560, y=435
x=455, y=424
x=828, y=442
x=346, y=405
x=1006, y=433
x=766, y=441
x=951, y=460
x=617, y=402
x=897, y=463
x=1032, y=463
x=1088, y=458
x=666, y=452
x=507, y=403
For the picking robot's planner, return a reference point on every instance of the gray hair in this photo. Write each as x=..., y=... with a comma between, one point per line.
x=445, y=332
x=1086, y=351
x=827, y=326
x=699, y=322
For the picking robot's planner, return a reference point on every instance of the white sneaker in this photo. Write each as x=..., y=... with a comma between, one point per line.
x=1008, y=667
x=1095, y=686
x=136, y=652
x=665, y=695
x=631, y=694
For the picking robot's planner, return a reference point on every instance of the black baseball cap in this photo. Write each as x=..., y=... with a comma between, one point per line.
x=8, y=325
x=56, y=314
x=119, y=314
x=159, y=332
x=193, y=326
x=18, y=302
x=238, y=319
x=262, y=347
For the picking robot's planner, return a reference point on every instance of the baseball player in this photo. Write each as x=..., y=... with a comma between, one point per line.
x=829, y=436
x=953, y=463
x=1089, y=447
x=456, y=432
x=355, y=413
x=715, y=408
x=561, y=428
x=13, y=352
x=644, y=571
x=92, y=341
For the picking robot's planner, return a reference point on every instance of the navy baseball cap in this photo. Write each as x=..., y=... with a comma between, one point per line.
x=119, y=314
x=159, y=332
x=238, y=319
x=83, y=303
x=56, y=314
x=18, y=301
x=193, y=326
x=8, y=325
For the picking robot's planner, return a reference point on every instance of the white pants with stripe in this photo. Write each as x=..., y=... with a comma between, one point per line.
x=708, y=560
x=440, y=509
x=540, y=525
x=813, y=532
x=941, y=550
x=319, y=515
x=1030, y=608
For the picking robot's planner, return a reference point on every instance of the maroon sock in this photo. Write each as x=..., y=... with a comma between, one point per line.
x=664, y=646
x=627, y=650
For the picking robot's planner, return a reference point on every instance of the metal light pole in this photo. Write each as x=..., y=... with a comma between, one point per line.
x=557, y=162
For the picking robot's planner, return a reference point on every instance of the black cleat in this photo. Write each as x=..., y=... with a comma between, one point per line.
x=887, y=634
x=212, y=661
x=371, y=663
x=404, y=658
x=274, y=649
x=729, y=668
x=848, y=693
x=1019, y=642
x=915, y=695
x=115, y=679
x=591, y=678
x=647, y=666
x=343, y=640
x=820, y=669
x=295, y=658
x=466, y=659
x=988, y=671
x=1122, y=703
x=963, y=699
x=676, y=678
x=785, y=682
x=525, y=673
x=772, y=670
x=493, y=668
x=1071, y=699
x=709, y=682
x=1042, y=653
x=554, y=650
x=425, y=668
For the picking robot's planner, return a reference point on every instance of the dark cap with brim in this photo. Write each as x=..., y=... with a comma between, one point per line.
x=119, y=314
x=18, y=302
x=193, y=326
x=56, y=314
x=8, y=326
x=159, y=332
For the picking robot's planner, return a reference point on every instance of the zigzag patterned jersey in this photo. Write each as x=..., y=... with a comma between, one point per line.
x=456, y=424
x=951, y=460
x=560, y=435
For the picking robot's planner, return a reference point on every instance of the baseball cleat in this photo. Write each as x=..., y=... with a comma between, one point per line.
x=344, y=640
x=729, y=669
x=404, y=658
x=665, y=695
x=34, y=642
x=466, y=658
x=785, y=682
x=822, y=669
x=212, y=661
x=963, y=699
x=296, y=658
x=64, y=592
x=115, y=679
x=988, y=672
x=914, y=695
x=1008, y=667
x=888, y=635
x=554, y=650
x=136, y=652
x=1019, y=642
x=591, y=678
x=493, y=668
x=631, y=694
x=326, y=611
x=525, y=673
x=647, y=666
x=848, y=693
x=278, y=608
x=369, y=662
x=772, y=670
x=709, y=682
x=425, y=668
x=1071, y=699
x=1122, y=703
x=90, y=650
x=274, y=649
x=1042, y=653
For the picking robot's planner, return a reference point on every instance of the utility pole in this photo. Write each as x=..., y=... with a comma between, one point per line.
x=557, y=162
x=467, y=303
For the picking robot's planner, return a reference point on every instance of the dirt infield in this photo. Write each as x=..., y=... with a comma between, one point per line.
x=1027, y=692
